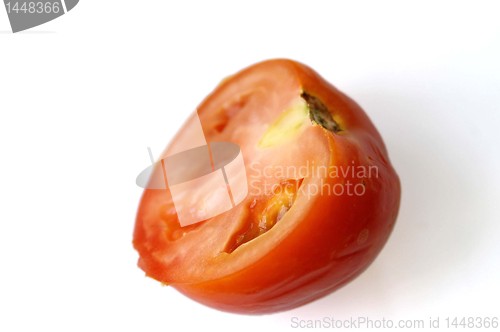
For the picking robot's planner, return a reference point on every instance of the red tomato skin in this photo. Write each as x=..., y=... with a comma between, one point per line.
x=338, y=239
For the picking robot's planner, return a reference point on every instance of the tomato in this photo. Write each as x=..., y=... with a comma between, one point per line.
x=322, y=196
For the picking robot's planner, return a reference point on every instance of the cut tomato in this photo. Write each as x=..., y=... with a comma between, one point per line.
x=322, y=196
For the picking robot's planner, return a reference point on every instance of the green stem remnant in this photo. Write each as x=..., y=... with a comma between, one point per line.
x=320, y=114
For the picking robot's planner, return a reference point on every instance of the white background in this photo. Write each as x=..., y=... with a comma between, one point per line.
x=83, y=96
